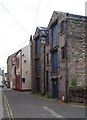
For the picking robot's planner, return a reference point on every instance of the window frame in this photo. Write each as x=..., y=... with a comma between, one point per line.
x=63, y=52
x=54, y=27
x=54, y=61
x=37, y=47
x=62, y=27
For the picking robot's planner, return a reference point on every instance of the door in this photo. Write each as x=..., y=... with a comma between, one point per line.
x=55, y=88
x=38, y=85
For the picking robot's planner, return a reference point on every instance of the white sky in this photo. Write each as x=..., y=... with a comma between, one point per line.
x=19, y=19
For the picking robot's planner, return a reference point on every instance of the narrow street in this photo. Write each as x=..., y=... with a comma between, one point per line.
x=26, y=105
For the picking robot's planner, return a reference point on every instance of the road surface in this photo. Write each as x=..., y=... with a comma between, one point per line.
x=27, y=105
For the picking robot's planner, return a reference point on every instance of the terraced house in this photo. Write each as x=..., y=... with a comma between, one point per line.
x=65, y=55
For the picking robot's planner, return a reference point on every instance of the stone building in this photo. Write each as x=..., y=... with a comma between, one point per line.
x=38, y=60
x=67, y=52
x=65, y=55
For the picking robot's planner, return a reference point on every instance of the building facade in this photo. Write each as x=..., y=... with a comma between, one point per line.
x=20, y=70
x=38, y=60
x=65, y=55
x=23, y=69
x=1, y=77
x=9, y=71
x=67, y=52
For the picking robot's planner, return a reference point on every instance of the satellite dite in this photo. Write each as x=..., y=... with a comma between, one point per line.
x=86, y=8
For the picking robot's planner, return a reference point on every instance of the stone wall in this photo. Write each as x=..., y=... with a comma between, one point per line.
x=76, y=51
x=74, y=65
x=42, y=68
x=33, y=65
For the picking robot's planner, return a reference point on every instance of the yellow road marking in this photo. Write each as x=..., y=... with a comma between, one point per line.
x=8, y=109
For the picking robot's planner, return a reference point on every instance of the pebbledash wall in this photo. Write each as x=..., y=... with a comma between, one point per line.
x=65, y=54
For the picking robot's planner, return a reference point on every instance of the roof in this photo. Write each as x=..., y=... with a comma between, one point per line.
x=40, y=31
x=57, y=15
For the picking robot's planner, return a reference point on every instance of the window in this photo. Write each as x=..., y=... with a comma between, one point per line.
x=23, y=80
x=63, y=52
x=47, y=59
x=17, y=62
x=47, y=81
x=62, y=27
x=54, y=35
x=47, y=38
x=37, y=67
x=37, y=47
x=55, y=61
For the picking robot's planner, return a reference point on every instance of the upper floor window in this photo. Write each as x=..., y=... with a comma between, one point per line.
x=63, y=52
x=55, y=35
x=47, y=59
x=62, y=27
x=37, y=66
x=54, y=61
x=47, y=38
x=37, y=47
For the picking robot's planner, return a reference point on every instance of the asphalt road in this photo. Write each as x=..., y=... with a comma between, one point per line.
x=26, y=105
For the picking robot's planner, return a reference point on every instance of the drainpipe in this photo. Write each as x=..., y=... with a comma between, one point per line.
x=66, y=82
x=20, y=70
x=31, y=57
x=44, y=71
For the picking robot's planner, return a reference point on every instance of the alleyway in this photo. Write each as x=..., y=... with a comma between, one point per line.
x=26, y=105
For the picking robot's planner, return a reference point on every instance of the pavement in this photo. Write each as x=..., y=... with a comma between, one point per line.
x=0, y=102
x=27, y=105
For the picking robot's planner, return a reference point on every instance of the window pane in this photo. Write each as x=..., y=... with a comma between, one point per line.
x=62, y=27
x=54, y=61
x=37, y=47
x=37, y=67
x=55, y=35
x=63, y=53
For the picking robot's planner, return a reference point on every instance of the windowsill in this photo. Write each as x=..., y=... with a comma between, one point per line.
x=62, y=33
x=54, y=73
x=63, y=60
x=54, y=48
x=38, y=76
x=47, y=65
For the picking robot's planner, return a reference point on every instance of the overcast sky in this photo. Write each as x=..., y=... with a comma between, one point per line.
x=19, y=19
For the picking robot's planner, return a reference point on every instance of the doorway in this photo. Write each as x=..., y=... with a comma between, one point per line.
x=55, y=88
